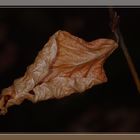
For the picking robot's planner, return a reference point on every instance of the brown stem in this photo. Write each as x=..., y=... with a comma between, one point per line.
x=115, y=29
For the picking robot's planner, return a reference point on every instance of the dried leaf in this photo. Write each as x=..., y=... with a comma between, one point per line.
x=65, y=65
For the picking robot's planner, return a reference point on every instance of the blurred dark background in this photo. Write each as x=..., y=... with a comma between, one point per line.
x=110, y=107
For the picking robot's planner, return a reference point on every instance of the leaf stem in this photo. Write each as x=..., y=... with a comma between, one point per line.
x=115, y=29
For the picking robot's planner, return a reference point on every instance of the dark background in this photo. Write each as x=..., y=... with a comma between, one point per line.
x=110, y=107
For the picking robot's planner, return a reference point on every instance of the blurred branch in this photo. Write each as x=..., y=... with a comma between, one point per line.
x=115, y=29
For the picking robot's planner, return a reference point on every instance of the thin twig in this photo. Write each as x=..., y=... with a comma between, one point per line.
x=115, y=29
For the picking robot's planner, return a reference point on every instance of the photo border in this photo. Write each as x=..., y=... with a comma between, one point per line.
x=69, y=4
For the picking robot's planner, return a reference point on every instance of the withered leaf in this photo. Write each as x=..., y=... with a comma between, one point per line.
x=65, y=65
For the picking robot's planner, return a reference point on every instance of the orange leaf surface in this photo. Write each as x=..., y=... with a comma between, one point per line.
x=65, y=65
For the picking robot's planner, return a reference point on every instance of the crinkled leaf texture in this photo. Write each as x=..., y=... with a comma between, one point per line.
x=65, y=65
